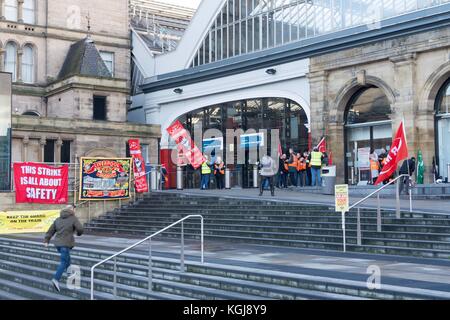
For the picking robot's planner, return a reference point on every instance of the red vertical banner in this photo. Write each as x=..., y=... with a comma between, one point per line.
x=40, y=183
x=140, y=176
x=184, y=141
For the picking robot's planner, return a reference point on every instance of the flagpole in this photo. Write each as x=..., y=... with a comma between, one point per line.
x=407, y=163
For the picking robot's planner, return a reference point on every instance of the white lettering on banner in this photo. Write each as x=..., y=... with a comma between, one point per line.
x=49, y=172
x=45, y=182
x=43, y=194
x=28, y=170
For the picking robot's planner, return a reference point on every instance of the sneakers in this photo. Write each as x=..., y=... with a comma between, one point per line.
x=56, y=285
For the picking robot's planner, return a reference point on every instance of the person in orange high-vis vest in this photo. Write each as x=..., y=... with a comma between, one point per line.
x=292, y=164
x=374, y=166
x=301, y=171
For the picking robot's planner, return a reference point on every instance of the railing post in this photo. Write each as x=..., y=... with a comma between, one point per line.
x=397, y=195
x=150, y=267
x=358, y=228
x=202, y=239
x=410, y=195
x=343, y=231
x=89, y=211
x=378, y=213
x=182, y=247
x=92, y=284
x=115, y=278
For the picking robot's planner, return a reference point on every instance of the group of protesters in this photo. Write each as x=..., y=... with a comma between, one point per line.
x=301, y=169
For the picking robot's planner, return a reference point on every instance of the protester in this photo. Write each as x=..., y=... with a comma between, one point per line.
x=301, y=170
x=282, y=173
x=267, y=172
x=292, y=167
x=306, y=154
x=64, y=227
x=408, y=167
x=316, y=158
x=164, y=177
x=206, y=172
x=374, y=166
x=219, y=173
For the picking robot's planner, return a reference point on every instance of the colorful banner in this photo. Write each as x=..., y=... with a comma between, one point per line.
x=184, y=141
x=40, y=183
x=398, y=152
x=105, y=179
x=27, y=221
x=140, y=177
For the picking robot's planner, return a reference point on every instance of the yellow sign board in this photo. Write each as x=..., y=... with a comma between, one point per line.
x=341, y=197
x=27, y=221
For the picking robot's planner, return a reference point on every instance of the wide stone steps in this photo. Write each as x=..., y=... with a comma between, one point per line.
x=30, y=267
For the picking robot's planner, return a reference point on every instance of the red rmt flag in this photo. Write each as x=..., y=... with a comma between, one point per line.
x=322, y=146
x=398, y=152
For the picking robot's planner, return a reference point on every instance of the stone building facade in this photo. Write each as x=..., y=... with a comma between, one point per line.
x=55, y=91
x=411, y=71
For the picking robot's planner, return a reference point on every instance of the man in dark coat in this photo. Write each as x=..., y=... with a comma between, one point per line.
x=408, y=167
x=63, y=229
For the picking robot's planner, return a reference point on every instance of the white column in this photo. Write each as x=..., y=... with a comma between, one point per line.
x=20, y=10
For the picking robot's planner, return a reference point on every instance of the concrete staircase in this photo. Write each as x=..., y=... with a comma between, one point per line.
x=280, y=224
x=26, y=267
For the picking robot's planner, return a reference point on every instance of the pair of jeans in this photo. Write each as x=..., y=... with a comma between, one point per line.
x=263, y=182
x=301, y=178
x=315, y=177
x=65, y=262
x=219, y=181
x=205, y=181
x=282, y=180
x=404, y=183
x=293, y=178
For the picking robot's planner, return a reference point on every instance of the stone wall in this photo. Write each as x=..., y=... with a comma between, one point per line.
x=409, y=70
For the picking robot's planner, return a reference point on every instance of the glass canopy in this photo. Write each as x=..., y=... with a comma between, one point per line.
x=245, y=26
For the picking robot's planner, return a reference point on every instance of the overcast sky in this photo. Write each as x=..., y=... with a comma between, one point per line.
x=184, y=3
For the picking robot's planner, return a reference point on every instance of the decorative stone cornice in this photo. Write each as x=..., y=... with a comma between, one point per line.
x=404, y=58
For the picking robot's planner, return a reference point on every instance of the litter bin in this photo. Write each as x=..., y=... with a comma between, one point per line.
x=328, y=179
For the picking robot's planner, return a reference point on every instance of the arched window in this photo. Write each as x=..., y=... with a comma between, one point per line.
x=31, y=113
x=368, y=128
x=11, y=10
x=28, y=64
x=10, y=59
x=29, y=12
x=443, y=131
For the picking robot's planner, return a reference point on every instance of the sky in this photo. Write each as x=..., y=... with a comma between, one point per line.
x=185, y=3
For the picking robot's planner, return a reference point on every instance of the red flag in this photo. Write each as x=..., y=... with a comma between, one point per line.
x=330, y=159
x=280, y=151
x=398, y=152
x=322, y=146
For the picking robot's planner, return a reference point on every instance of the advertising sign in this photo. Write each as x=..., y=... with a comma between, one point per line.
x=184, y=142
x=252, y=140
x=105, y=179
x=140, y=177
x=40, y=183
x=341, y=197
x=364, y=158
x=27, y=221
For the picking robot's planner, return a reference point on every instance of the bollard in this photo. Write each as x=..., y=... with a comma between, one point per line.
x=179, y=178
x=227, y=179
x=255, y=177
x=153, y=179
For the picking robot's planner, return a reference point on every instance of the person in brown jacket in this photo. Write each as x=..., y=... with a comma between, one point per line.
x=63, y=228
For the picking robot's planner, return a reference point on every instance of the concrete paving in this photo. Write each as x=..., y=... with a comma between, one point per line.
x=411, y=272
x=426, y=206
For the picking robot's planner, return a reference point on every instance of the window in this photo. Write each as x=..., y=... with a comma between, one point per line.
x=108, y=58
x=28, y=64
x=10, y=59
x=28, y=12
x=99, y=108
x=49, y=151
x=31, y=113
x=65, y=151
x=11, y=10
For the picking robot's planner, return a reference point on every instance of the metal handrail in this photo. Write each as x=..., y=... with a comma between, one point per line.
x=150, y=274
x=377, y=192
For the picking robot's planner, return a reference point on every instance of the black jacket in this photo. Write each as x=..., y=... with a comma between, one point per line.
x=404, y=167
